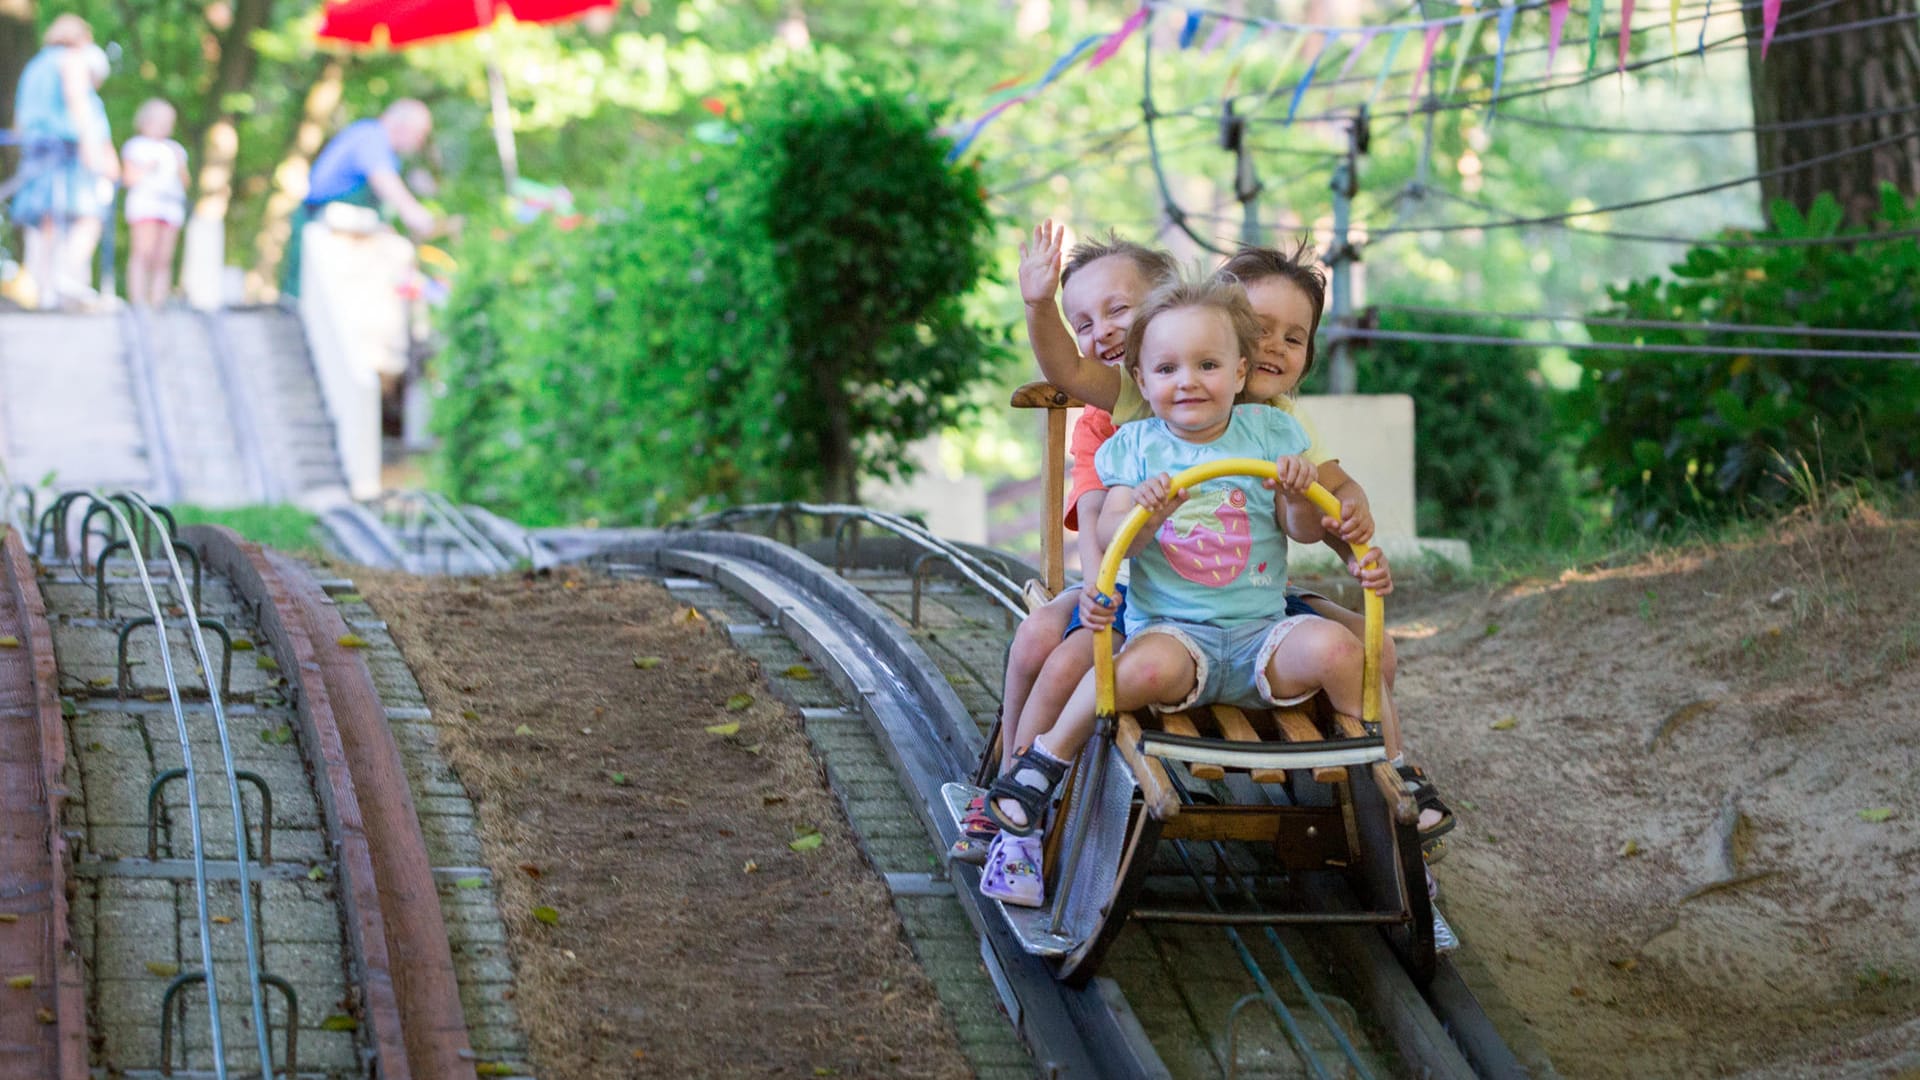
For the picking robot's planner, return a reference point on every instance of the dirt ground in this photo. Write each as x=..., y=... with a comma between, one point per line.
x=692, y=938
x=1687, y=789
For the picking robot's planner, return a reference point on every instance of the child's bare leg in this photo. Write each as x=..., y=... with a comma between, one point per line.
x=1057, y=682
x=1153, y=669
x=139, y=247
x=160, y=283
x=1033, y=643
x=1318, y=654
x=1356, y=623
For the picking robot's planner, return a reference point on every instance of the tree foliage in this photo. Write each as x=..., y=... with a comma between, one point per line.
x=770, y=319
x=1674, y=435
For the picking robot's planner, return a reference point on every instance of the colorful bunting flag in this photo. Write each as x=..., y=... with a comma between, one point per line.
x=1192, y=27
x=1596, y=12
x=1769, y=19
x=1462, y=45
x=1626, y=32
x=1219, y=36
x=1556, y=22
x=1704, y=20
x=1393, y=50
x=1426, y=60
x=1119, y=38
x=1366, y=39
x=1503, y=29
x=1300, y=89
x=1673, y=24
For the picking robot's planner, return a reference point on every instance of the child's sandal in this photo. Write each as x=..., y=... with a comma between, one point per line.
x=1427, y=797
x=1030, y=784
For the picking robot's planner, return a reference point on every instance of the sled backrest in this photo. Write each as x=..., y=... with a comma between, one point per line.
x=1053, y=533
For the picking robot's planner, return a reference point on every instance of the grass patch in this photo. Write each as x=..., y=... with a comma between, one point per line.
x=281, y=526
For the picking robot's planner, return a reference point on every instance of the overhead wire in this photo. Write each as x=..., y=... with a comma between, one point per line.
x=1839, y=240
x=1708, y=327
x=1636, y=204
x=1360, y=334
x=1748, y=129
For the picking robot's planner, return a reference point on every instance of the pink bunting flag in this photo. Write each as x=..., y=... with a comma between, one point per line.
x=1426, y=61
x=1769, y=18
x=1219, y=36
x=1112, y=45
x=1366, y=39
x=1626, y=31
x=1556, y=21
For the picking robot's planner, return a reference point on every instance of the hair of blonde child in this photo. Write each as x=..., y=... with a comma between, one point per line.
x=1300, y=266
x=152, y=113
x=1214, y=294
x=1155, y=266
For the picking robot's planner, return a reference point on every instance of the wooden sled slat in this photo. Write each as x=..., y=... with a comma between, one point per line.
x=1182, y=724
x=1391, y=786
x=1156, y=787
x=1297, y=726
x=1234, y=725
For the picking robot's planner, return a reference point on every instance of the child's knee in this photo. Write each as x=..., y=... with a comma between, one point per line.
x=1031, y=646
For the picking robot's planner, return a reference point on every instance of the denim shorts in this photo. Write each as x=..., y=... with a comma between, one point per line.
x=1230, y=663
x=1119, y=614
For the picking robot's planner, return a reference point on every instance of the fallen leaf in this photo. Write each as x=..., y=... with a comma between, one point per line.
x=689, y=616
x=617, y=779
x=647, y=663
x=475, y=882
x=1577, y=991
x=547, y=915
x=807, y=841
x=751, y=867
x=102, y=681
x=221, y=919
x=754, y=749
x=241, y=644
x=68, y=710
x=9, y=917
x=639, y=1054
x=1626, y=965
x=25, y=982
x=1877, y=814
x=469, y=714
x=497, y=1068
x=1505, y=723
x=318, y=873
x=266, y=663
x=9, y=642
x=799, y=671
x=339, y=1022
x=45, y=1016
x=352, y=641
x=164, y=970
x=822, y=1070
x=530, y=870
x=724, y=729
x=348, y=598
x=738, y=702
x=154, y=695
x=277, y=736
x=523, y=730
x=1629, y=849
x=1492, y=629
x=770, y=800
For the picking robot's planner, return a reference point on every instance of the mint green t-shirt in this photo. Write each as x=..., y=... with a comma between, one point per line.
x=1221, y=559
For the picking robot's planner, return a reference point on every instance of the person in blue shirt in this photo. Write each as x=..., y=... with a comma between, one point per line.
x=1208, y=615
x=361, y=166
x=65, y=148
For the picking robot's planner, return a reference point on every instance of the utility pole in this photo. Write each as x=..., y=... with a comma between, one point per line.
x=1341, y=256
x=1246, y=182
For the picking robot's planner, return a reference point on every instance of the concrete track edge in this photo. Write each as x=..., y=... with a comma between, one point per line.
x=394, y=924
x=930, y=739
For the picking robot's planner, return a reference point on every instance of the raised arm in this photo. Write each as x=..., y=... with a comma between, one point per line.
x=1053, y=346
x=393, y=193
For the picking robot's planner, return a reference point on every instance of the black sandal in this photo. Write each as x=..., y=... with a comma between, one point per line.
x=1017, y=784
x=1427, y=797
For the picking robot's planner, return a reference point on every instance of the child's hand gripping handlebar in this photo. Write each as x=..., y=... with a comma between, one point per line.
x=1200, y=474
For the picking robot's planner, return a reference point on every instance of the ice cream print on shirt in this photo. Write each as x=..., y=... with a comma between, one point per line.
x=1208, y=541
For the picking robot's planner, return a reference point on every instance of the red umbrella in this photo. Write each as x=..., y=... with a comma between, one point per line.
x=404, y=22
x=410, y=22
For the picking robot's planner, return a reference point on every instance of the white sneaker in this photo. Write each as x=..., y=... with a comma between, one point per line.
x=1012, y=874
x=1444, y=941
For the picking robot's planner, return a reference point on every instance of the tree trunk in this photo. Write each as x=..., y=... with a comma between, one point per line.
x=220, y=143
x=1863, y=70
x=19, y=38
x=839, y=476
x=290, y=179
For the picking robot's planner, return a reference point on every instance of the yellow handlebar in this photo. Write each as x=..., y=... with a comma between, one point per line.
x=1200, y=474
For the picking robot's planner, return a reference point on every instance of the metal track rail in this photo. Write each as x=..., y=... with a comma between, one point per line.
x=995, y=584
x=930, y=739
x=162, y=463
x=263, y=485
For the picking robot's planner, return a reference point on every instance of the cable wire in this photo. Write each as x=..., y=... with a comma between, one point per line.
x=1359, y=334
x=1843, y=240
x=1752, y=129
x=1660, y=324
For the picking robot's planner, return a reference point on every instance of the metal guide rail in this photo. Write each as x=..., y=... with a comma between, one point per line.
x=930, y=740
x=335, y=851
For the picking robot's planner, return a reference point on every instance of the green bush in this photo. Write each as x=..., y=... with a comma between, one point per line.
x=1488, y=461
x=767, y=320
x=1677, y=436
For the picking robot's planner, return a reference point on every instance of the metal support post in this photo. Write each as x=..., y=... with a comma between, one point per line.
x=1340, y=259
